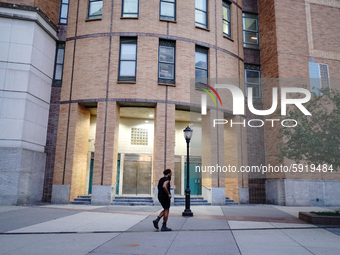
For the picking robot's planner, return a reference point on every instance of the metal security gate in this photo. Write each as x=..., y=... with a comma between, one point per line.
x=137, y=174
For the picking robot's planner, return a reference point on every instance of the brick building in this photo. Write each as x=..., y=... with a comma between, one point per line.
x=127, y=79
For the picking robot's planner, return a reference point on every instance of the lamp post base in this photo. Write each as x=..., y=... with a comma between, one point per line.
x=188, y=213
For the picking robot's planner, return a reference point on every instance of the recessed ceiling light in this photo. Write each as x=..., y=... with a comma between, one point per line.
x=199, y=118
x=146, y=121
x=150, y=115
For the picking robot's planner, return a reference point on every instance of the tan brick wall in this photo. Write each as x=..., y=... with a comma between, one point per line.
x=159, y=141
x=49, y=7
x=61, y=145
x=77, y=156
x=90, y=68
x=99, y=143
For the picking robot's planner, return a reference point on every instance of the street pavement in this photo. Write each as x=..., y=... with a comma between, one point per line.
x=98, y=230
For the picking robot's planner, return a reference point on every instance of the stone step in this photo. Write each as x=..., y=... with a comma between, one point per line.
x=133, y=198
x=87, y=197
x=231, y=203
x=82, y=199
x=192, y=204
x=191, y=198
x=80, y=203
x=132, y=203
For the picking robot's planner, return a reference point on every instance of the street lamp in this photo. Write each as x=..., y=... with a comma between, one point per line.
x=187, y=212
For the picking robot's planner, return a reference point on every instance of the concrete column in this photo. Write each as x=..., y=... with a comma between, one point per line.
x=105, y=172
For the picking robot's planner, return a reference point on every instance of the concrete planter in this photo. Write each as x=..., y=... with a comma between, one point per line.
x=319, y=219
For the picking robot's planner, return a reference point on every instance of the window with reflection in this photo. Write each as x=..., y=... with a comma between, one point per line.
x=252, y=75
x=166, y=62
x=127, y=59
x=130, y=8
x=226, y=18
x=59, y=64
x=95, y=9
x=168, y=10
x=201, y=64
x=63, y=11
x=201, y=19
x=250, y=31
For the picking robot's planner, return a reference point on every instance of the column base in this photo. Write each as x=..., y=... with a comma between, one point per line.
x=102, y=195
x=60, y=194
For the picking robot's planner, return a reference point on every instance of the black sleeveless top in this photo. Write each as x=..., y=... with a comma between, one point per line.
x=161, y=192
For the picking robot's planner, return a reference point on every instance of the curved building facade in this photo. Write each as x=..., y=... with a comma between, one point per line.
x=127, y=93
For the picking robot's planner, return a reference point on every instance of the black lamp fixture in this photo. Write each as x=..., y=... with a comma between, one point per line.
x=187, y=135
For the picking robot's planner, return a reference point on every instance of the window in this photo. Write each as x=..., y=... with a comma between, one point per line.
x=201, y=13
x=95, y=9
x=168, y=10
x=319, y=77
x=127, y=59
x=166, y=62
x=63, y=12
x=139, y=136
x=250, y=31
x=201, y=64
x=130, y=8
x=226, y=18
x=59, y=64
x=252, y=75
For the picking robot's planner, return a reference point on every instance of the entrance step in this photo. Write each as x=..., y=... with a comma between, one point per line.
x=180, y=201
x=229, y=201
x=133, y=201
x=82, y=200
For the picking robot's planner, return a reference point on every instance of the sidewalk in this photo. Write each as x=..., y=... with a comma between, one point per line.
x=240, y=229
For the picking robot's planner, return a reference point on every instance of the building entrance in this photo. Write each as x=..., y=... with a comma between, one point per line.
x=137, y=174
x=195, y=181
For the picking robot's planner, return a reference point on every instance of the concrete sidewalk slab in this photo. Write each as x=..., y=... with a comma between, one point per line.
x=204, y=224
x=294, y=211
x=85, y=221
x=175, y=223
x=138, y=243
x=75, y=244
x=249, y=225
x=318, y=241
x=204, y=242
x=15, y=219
x=9, y=208
x=254, y=211
x=259, y=242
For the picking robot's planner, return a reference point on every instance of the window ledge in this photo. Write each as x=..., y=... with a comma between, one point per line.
x=206, y=29
x=227, y=37
x=166, y=84
x=172, y=21
x=129, y=17
x=126, y=82
x=95, y=19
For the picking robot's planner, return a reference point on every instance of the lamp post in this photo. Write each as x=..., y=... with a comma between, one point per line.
x=187, y=212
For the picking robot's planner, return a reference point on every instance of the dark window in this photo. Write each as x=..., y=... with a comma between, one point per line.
x=127, y=59
x=95, y=9
x=168, y=10
x=59, y=64
x=226, y=18
x=201, y=18
x=201, y=64
x=252, y=75
x=166, y=62
x=130, y=8
x=250, y=31
x=63, y=12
